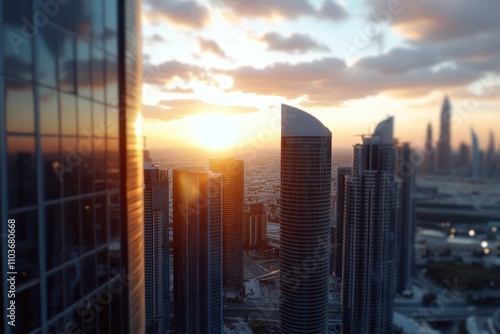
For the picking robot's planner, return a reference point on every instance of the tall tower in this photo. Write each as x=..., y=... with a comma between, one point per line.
x=156, y=263
x=342, y=174
x=255, y=233
x=232, y=220
x=443, y=159
x=306, y=161
x=491, y=157
x=71, y=170
x=197, y=217
x=370, y=234
x=405, y=228
x=428, y=166
x=476, y=156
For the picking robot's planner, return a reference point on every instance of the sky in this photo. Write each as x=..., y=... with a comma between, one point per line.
x=216, y=71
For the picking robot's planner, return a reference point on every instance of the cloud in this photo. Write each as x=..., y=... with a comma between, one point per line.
x=286, y=9
x=332, y=11
x=168, y=110
x=155, y=38
x=295, y=43
x=211, y=46
x=184, y=13
x=441, y=21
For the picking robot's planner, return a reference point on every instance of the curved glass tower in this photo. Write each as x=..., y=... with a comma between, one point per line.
x=305, y=217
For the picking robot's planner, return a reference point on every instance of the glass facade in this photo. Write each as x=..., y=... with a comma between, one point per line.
x=67, y=145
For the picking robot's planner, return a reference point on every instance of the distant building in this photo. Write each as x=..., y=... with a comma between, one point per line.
x=464, y=157
x=476, y=156
x=255, y=233
x=405, y=228
x=371, y=213
x=232, y=220
x=156, y=263
x=490, y=165
x=429, y=162
x=197, y=220
x=443, y=156
x=306, y=160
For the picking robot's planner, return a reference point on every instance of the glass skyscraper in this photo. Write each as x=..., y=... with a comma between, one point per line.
x=306, y=162
x=71, y=165
x=370, y=216
x=197, y=218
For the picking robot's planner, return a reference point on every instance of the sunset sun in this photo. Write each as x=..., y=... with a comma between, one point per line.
x=215, y=131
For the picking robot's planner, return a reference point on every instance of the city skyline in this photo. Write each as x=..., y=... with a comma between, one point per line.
x=240, y=61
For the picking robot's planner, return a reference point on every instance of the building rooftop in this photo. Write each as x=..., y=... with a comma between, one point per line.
x=298, y=123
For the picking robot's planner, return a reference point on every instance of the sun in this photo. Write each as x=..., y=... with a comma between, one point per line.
x=216, y=131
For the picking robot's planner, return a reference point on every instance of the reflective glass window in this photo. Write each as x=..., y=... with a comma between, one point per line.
x=55, y=293
x=84, y=68
x=21, y=171
x=19, y=106
x=19, y=31
x=28, y=308
x=97, y=18
x=49, y=111
x=53, y=236
x=98, y=74
x=46, y=56
x=111, y=26
x=87, y=221
x=67, y=62
x=84, y=118
x=53, y=169
x=111, y=80
x=68, y=114
x=71, y=158
x=27, y=261
x=71, y=213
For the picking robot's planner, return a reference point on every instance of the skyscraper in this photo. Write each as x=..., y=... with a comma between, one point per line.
x=156, y=263
x=443, y=158
x=197, y=217
x=405, y=227
x=428, y=165
x=305, y=218
x=71, y=171
x=491, y=157
x=232, y=220
x=476, y=156
x=255, y=233
x=464, y=157
x=369, y=275
x=342, y=173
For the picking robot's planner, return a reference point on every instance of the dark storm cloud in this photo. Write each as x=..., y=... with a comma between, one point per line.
x=295, y=43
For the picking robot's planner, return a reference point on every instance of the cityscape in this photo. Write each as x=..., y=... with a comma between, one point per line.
x=239, y=167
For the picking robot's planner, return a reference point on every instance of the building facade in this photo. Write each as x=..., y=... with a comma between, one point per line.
x=197, y=218
x=369, y=273
x=305, y=222
x=232, y=237
x=406, y=172
x=156, y=235
x=71, y=177
x=342, y=173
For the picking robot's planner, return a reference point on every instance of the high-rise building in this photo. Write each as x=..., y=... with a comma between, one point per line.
x=369, y=273
x=405, y=228
x=464, y=157
x=476, y=156
x=306, y=160
x=232, y=220
x=443, y=154
x=156, y=235
x=255, y=233
x=71, y=176
x=428, y=164
x=491, y=166
x=342, y=173
x=197, y=219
